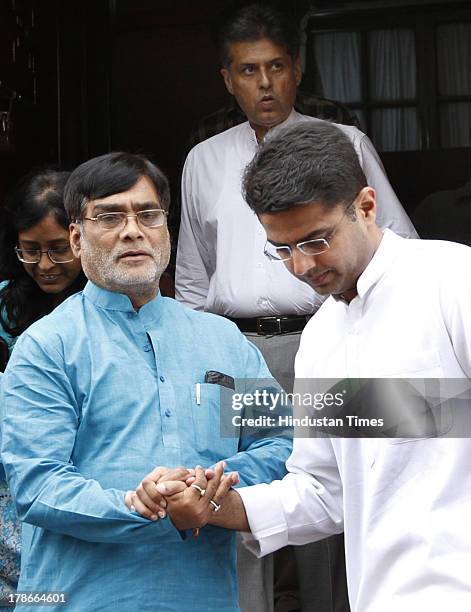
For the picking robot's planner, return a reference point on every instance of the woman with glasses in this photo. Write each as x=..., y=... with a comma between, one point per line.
x=36, y=261
x=39, y=271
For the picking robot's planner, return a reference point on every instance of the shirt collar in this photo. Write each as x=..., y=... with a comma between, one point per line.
x=293, y=117
x=110, y=300
x=383, y=258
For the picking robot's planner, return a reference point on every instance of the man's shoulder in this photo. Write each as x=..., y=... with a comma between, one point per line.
x=438, y=250
x=350, y=131
x=205, y=323
x=58, y=324
x=445, y=263
x=217, y=143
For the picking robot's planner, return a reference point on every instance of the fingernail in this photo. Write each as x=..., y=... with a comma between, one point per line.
x=198, y=467
x=162, y=514
x=163, y=504
x=153, y=517
x=132, y=509
x=161, y=488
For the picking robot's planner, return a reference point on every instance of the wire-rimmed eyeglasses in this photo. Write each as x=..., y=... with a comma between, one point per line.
x=313, y=247
x=59, y=255
x=153, y=217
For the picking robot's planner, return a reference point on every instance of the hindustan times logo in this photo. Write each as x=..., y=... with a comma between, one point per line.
x=262, y=398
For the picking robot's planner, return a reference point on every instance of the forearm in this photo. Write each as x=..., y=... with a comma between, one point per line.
x=262, y=461
x=231, y=514
x=59, y=499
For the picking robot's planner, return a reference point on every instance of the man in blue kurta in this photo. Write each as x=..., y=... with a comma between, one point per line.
x=110, y=385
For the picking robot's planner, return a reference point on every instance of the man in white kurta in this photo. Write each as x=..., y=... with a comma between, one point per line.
x=221, y=267
x=404, y=504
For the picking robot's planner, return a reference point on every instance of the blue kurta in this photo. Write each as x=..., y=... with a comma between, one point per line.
x=95, y=396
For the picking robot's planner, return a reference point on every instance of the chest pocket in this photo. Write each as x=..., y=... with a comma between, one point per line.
x=426, y=412
x=215, y=436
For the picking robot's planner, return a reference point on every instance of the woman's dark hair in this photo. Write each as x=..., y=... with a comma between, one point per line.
x=37, y=195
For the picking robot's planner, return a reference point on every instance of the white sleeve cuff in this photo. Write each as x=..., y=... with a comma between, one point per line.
x=266, y=519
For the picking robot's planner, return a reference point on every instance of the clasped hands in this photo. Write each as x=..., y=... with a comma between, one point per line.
x=188, y=496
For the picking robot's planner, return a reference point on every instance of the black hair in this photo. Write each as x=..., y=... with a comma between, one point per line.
x=252, y=22
x=110, y=174
x=311, y=161
x=36, y=196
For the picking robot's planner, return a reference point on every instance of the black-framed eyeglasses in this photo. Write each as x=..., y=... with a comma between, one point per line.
x=153, y=217
x=59, y=255
x=313, y=247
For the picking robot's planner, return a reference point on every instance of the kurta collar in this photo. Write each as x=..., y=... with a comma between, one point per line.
x=383, y=258
x=293, y=117
x=110, y=300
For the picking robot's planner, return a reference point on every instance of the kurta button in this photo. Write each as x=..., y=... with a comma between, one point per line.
x=168, y=413
x=147, y=348
x=130, y=315
x=162, y=378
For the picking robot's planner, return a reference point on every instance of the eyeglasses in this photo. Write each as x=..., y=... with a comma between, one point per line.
x=316, y=246
x=154, y=217
x=59, y=255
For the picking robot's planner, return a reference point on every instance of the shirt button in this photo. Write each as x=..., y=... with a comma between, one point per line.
x=147, y=348
x=168, y=413
x=130, y=315
x=162, y=378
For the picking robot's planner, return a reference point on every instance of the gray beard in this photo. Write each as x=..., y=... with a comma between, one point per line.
x=99, y=267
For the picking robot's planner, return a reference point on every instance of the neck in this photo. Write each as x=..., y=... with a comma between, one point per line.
x=260, y=132
x=138, y=299
x=347, y=296
x=377, y=236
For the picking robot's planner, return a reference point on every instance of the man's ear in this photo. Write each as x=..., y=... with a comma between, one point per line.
x=75, y=235
x=367, y=204
x=298, y=70
x=226, y=75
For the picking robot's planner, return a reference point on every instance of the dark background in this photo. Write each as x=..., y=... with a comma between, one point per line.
x=92, y=76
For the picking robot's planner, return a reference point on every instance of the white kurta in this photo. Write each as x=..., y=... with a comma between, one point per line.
x=404, y=504
x=221, y=266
